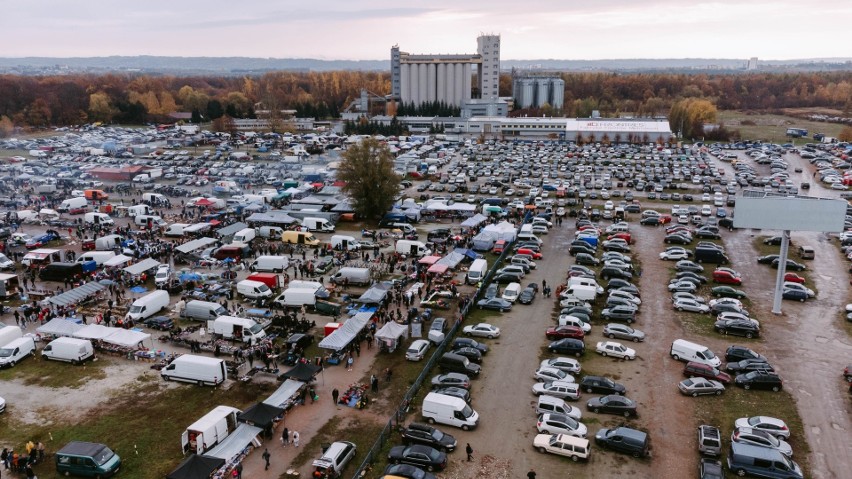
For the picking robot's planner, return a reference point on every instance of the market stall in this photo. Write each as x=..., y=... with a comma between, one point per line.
x=390, y=336
x=234, y=448
x=344, y=335
x=80, y=294
x=286, y=394
x=261, y=415
x=59, y=327
x=197, y=467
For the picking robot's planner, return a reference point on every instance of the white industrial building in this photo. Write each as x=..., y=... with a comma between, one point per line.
x=418, y=79
x=535, y=92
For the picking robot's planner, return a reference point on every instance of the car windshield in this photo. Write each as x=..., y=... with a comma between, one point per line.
x=103, y=456
x=467, y=411
x=607, y=382
x=437, y=435
x=708, y=354
x=135, y=309
x=256, y=328
x=5, y=353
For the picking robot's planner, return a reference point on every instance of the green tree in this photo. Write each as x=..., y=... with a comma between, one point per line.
x=367, y=170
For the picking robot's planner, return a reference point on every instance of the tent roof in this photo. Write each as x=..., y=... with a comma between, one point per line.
x=474, y=220
x=195, y=244
x=438, y=268
x=59, y=327
x=234, y=444
x=117, y=260
x=392, y=330
x=93, y=331
x=196, y=467
x=375, y=295
x=302, y=372
x=274, y=217
x=451, y=260
x=231, y=229
x=284, y=393
x=126, y=337
x=142, y=266
x=343, y=335
x=260, y=415
x=432, y=259
x=77, y=294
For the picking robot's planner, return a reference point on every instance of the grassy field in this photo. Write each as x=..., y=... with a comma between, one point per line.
x=774, y=127
x=35, y=371
x=142, y=423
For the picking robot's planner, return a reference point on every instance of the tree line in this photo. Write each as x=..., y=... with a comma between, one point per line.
x=28, y=101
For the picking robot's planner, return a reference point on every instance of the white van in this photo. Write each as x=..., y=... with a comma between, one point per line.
x=72, y=204
x=9, y=333
x=240, y=329
x=244, y=236
x=512, y=291
x=156, y=221
x=404, y=227
x=70, y=350
x=270, y=264
x=202, y=310
x=582, y=292
x=318, y=224
x=253, y=289
x=136, y=210
x=348, y=275
x=99, y=257
x=271, y=232
x=175, y=229
x=98, y=219
x=12, y=353
x=296, y=298
x=148, y=305
x=529, y=237
x=196, y=369
x=345, y=243
x=580, y=281
x=412, y=248
x=683, y=350
x=449, y=410
x=477, y=271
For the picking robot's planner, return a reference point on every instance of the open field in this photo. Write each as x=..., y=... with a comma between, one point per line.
x=773, y=128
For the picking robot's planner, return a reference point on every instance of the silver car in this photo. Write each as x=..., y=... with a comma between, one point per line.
x=757, y=437
x=622, y=331
x=700, y=386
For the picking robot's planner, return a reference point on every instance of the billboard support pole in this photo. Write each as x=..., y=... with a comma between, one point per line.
x=782, y=271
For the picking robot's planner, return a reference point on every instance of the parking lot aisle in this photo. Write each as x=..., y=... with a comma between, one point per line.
x=665, y=413
x=807, y=346
x=308, y=419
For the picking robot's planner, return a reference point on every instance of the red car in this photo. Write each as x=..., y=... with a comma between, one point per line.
x=624, y=236
x=727, y=276
x=77, y=211
x=534, y=254
x=499, y=246
x=665, y=219
x=88, y=245
x=565, y=331
x=699, y=370
x=794, y=278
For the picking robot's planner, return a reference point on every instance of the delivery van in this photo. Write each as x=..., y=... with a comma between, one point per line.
x=448, y=410
x=253, y=289
x=299, y=237
x=477, y=271
x=296, y=298
x=150, y=221
x=9, y=333
x=348, y=275
x=272, y=280
x=98, y=219
x=412, y=248
x=99, y=257
x=209, y=430
x=72, y=204
x=95, y=195
x=244, y=236
x=148, y=305
x=70, y=350
x=683, y=350
x=136, y=210
x=202, y=310
x=12, y=353
x=108, y=242
x=345, y=243
x=270, y=232
x=61, y=272
x=87, y=459
x=580, y=281
x=318, y=224
x=582, y=292
x=201, y=370
x=270, y=264
x=237, y=329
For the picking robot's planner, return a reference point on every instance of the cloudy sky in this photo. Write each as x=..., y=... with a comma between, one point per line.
x=366, y=29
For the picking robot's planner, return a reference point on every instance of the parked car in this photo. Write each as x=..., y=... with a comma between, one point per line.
x=612, y=404
x=407, y=471
x=552, y=423
x=701, y=370
x=619, y=313
x=470, y=343
x=622, y=331
x=760, y=379
x=795, y=295
x=451, y=379
x=774, y=426
x=727, y=292
x=683, y=304
x=418, y=455
x=567, y=346
x=757, y=437
x=700, y=386
x=736, y=353
x=569, y=365
x=561, y=389
x=737, y=327
x=552, y=374
x=417, y=433
x=483, y=330
x=727, y=276
x=710, y=469
x=566, y=331
x=498, y=304
x=615, y=349
x=601, y=385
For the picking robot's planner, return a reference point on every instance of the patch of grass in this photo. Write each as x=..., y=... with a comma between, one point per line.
x=35, y=371
x=736, y=403
x=141, y=423
x=360, y=430
x=759, y=126
x=327, y=433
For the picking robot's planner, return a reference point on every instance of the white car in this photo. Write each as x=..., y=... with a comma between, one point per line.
x=567, y=319
x=483, y=330
x=560, y=211
x=569, y=365
x=2, y=405
x=417, y=350
x=547, y=374
x=561, y=389
x=684, y=304
x=615, y=349
x=163, y=274
x=734, y=301
x=553, y=423
x=556, y=444
x=675, y=254
x=774, y=426
x=839, y=186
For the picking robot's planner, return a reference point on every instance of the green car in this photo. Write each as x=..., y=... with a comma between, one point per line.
x=87, y=459
x=727, y=292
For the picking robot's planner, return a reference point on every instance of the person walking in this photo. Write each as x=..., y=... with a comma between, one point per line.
x=374, y=384
x=334, y=395
x=296, y=438
x=469, y=451
x=349, y=363
x=531, y=474
x=285, y=437
x=265, y=457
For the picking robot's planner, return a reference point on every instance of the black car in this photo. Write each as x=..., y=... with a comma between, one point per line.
x=791, y=265
x=608, y=272
x=710, y=469
x=507, y=277
x=774, y=241
x=567, y=346
x=760, y=379
x=577, y=310
x=527, y=296
x=418, y=455
x=586, y=259
x=407, y=471
x=710, y=233
x=163, y=323
x=687, y=265
x=690, y=275
x=469, y=343
x=767, y=259
x=736, y=353
x=612, y=404
x=746, y=365
x=576, y=249
x=677, y=239
x=618, y=283
x=795, y=295
x=737, y=327
x=720, y=308
x=472, y=354
x=416, y=433
x=601, y=385
x=650, y=221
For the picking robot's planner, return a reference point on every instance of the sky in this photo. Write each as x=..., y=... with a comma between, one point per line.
x=366, y=29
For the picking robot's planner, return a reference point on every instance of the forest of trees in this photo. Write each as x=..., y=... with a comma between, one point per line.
x=28, y=101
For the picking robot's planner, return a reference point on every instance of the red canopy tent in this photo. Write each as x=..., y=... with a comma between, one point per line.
x=429, y=259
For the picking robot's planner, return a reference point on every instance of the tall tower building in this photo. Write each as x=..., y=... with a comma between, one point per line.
x=396, y=80
x=752, y=63
x=488, y=47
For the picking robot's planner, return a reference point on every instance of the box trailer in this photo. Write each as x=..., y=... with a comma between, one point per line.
x=209, y=430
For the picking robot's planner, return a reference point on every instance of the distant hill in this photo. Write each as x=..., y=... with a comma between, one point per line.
x=243, y=65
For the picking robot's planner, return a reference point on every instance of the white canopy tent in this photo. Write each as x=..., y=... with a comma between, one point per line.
x=343, y=335
x=142, y=266
x=94, y=331
x=126, y=337
x=284, y=393
x=234, y=444
x=504, y=230
x=59, y=327
x=117, y=260
x=474, y=220
x=391, y=334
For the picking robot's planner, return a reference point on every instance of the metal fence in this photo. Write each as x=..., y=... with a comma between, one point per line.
x=403, y=408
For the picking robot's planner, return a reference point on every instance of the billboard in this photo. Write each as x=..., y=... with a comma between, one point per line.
x=790, y=214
